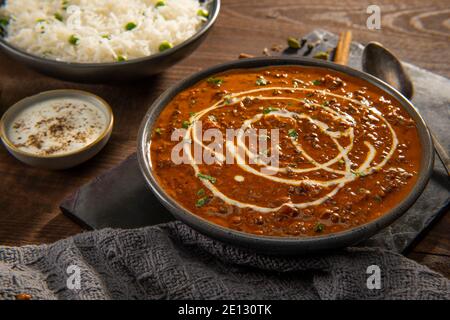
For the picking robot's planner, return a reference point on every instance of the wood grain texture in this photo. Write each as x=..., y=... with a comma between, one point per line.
x=417, y=31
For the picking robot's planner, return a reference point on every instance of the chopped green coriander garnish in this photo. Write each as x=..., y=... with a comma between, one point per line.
x=228, y=99
x=58, y=16
x=165, y=45
x=203, y=13
x=202, y=201
x=201, y=192
x=322, y=55
x=4, y=22
x=121, y=58
x=185, y=124
x=269, y=110
x=317, y=82
x=292, y=133
x=3, y=25
x=293, y=43
x=341, y=161
x=215, y=81
x=106, y=36
x=378, y=198
x=73, y=40
x=191, y=114
x=160, y=3
x=40, y=20
x=65, y=4
x=358, y=174
x=158, y=131
x=319, y=227
x=261, y=81
x=47, y=53
x=130, y=26
x=206, y=177
x=325, y=103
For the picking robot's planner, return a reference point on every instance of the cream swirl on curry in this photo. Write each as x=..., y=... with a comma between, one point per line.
x=346, y=152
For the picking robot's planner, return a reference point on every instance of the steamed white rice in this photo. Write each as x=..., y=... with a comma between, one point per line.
x=96, y=30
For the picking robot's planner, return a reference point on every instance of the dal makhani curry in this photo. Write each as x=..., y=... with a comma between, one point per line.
x=347, y=152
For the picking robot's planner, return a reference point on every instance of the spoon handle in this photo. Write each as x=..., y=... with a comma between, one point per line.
x=441, y=152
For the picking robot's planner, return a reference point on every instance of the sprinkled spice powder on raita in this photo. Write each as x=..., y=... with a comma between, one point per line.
x=57, y=127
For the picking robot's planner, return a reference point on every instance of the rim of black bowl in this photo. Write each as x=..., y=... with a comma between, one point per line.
x=273, y=243
x=214, y=13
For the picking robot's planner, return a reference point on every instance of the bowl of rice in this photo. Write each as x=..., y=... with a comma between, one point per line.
x=103, y=40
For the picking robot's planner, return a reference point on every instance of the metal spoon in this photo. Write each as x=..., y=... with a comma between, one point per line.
x=383, y=64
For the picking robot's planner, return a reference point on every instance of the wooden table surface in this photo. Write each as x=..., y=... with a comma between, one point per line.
x=418, y=31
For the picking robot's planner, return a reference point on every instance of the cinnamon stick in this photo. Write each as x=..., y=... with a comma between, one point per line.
x=343, y=47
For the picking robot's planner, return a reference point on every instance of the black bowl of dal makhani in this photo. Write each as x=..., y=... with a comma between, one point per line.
x=285, y=155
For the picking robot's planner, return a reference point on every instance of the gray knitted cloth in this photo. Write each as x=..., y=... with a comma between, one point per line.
x=174, y=262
